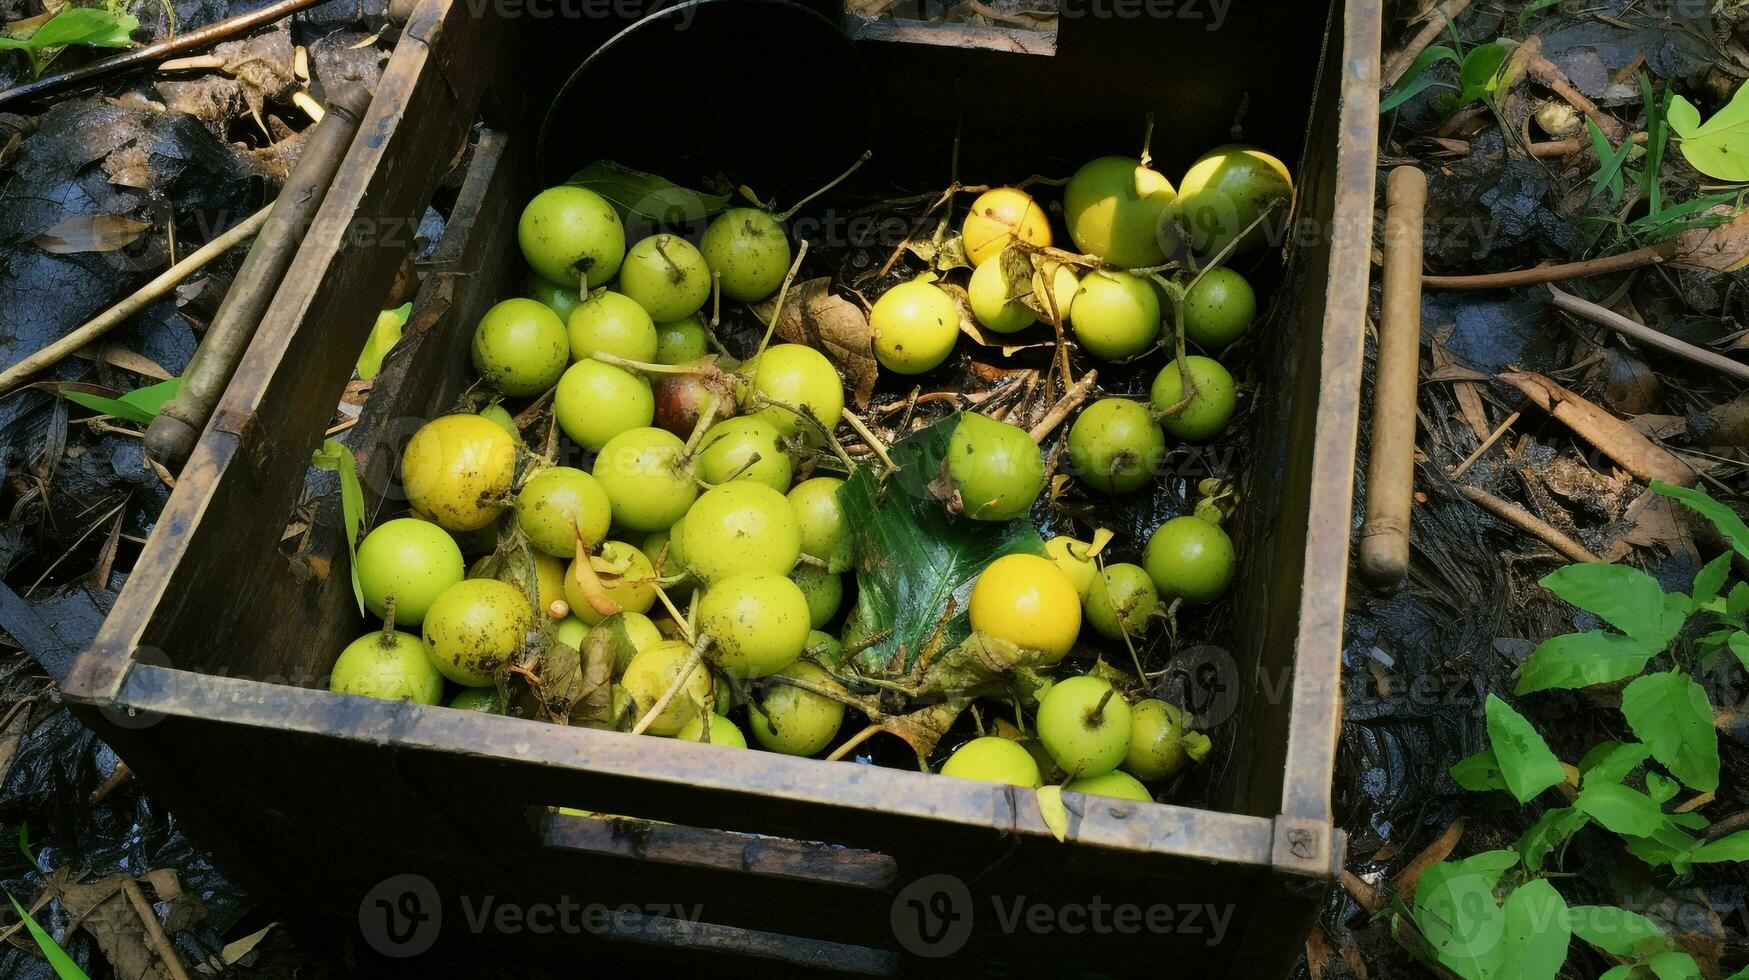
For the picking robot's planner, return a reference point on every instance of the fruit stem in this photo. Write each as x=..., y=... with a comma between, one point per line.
x=853, y=741
x=588, y=583
x=675, y=274
x=784, y=217
x=1060, y=411
x=388, y=633
x=782, y=291
x=646, y=367
x=716, y=299
x=746, y=465
x=692, y=661
x=874, y=442
x=867, y=706
x=809, y=560
x=679, y=620
x=1186, y=384
x=705, y=418
x=1096, y=716
x=583, y=285
x=1147, y=157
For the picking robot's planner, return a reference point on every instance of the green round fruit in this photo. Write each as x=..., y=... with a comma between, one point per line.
x=1071, y=556
x=626, y=577
x=723, y=732
x=681, y=341
x=1116, y=446
x=1085, y=725
x=1121, y=601
x=988, y=293
x=822, y=646
x=1224, y=192
x=647, y=482
x=915, y=325
x=391, y=666
x=1157, y=745
x=741, y=527
x=759, y=622
x=560, y=298
x=1208, y=412
x=457, y=470
x=549, y=579
x=569, y=232
x=559, y=503
x=1117, y=315
x=1219, y=308
x=729, y=447
x=520, y=348
x=1115, y=784
x=1188, y=558
x=500, y=416
x=629, y=634
x=793, y=721
x=794, y=379
x=1113, y=206
x=993, y=759
x=820, y=519
x=653, y=672
x=482, y=699
x=476, y=626
x=997, y=469
x=823, y=591
x=412, y=560
x=747, y=247
x=667, y=276
x=611, y=323
x=571, y=631
x=596, y=402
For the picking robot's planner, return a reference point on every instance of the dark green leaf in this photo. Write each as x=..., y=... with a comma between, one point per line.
x=1550, y=831
x=1657, y=137
x=1737, y=602
x=335, y=456
x=647, y=197
x=1621, y=809
x=1610, y=762
x=1617, y=931
x=1669, y=712
x=62, y=964
x=1478, y=772
x=1534, y=7
x=913, y=558
x=1668, y=844
x=1739, y=643
x=1456, y=912
x=1581, y=659
x=1674, y=965
x=141, y=405
x=1415, y=80
x=1536, y=931
x=1722, y=517
x=1608, y=176
x=1661, y=789
x=1624, y=597
x=1526, y=764
x=1481, y=71
x=1733, y=848
x=1710, y=579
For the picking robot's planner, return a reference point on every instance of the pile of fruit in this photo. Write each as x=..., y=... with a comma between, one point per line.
x=691, y=569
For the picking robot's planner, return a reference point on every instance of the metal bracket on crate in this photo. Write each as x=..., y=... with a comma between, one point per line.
x=1307, y=847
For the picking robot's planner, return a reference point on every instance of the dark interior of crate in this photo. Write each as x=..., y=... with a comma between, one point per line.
x=1014, y=115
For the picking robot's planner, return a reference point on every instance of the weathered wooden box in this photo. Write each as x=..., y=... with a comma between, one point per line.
x=383, y=817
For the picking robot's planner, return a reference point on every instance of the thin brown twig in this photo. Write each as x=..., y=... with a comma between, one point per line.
x=1487, y=444
x=1071, y=399
x=1636, y=259
x=154, y=930
x=1529, y=523
x=1604, y=317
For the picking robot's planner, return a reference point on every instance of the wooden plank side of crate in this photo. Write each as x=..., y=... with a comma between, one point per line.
x=213, y=571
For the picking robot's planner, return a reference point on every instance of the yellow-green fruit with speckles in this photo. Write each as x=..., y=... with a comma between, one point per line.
x=739, y=527
x=568, y=232
x=793, y=721
x=652, y=672
x=392, y=666
x=915, y=325
x=520, y=348
x=457, y=471
x=747, y=247
x=758, y=622
x=626, y=577
x=474, y=627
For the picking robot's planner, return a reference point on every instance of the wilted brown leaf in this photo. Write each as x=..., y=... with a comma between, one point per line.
x=970, y=326
x=832, y=325
x=1722, y=248
x=91, y=233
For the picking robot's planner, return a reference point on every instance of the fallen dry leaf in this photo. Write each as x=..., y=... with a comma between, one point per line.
x=1006, y=343
x=90, y=233
x=834, y=326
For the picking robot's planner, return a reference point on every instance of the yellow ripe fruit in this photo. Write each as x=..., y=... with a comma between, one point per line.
x=458, y=469
x=474, y=627
x=652, y=672
x=1028, y=601
x=997, y=217
x=915, y=325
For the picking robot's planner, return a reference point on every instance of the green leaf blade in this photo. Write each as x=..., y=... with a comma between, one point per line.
x=647, y=197
x=1670, y=714
x=1718, y=147
x=1575, y=660
x=1620, y=809
x=1536, y=930
x=1624, y=597
x=1526, y=764
x=336, y=457
x=64, y=966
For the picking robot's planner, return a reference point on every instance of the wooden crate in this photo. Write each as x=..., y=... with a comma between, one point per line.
x=208, y=676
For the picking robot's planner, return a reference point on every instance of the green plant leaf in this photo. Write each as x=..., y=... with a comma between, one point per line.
x=1480, y=74
x=1617, y=931
x=141, y=405
x=1718, y=147
x=1550, y=831
x=1661, y=789
x=1710, y=579
x=1739, y=644
x=1722, y=517
x=1416, y=80
x=647, y=197
x=913, y=558
x=64, y=966
x=1625, y=598
x=1733, y=848
x=1533, y=8
x=88, y=26
x=383, y=337
x=1674, y=219
x=1574, y=660
x=1463, y=924
x=1674, y=965
x=1536, y=929
x=1610, y=158
x=1669, y=712
x=1621, y=809
x=1610, y=762
x=1657, y=137
x=1478, y=772
x=1526, y=764
x=335, y=456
